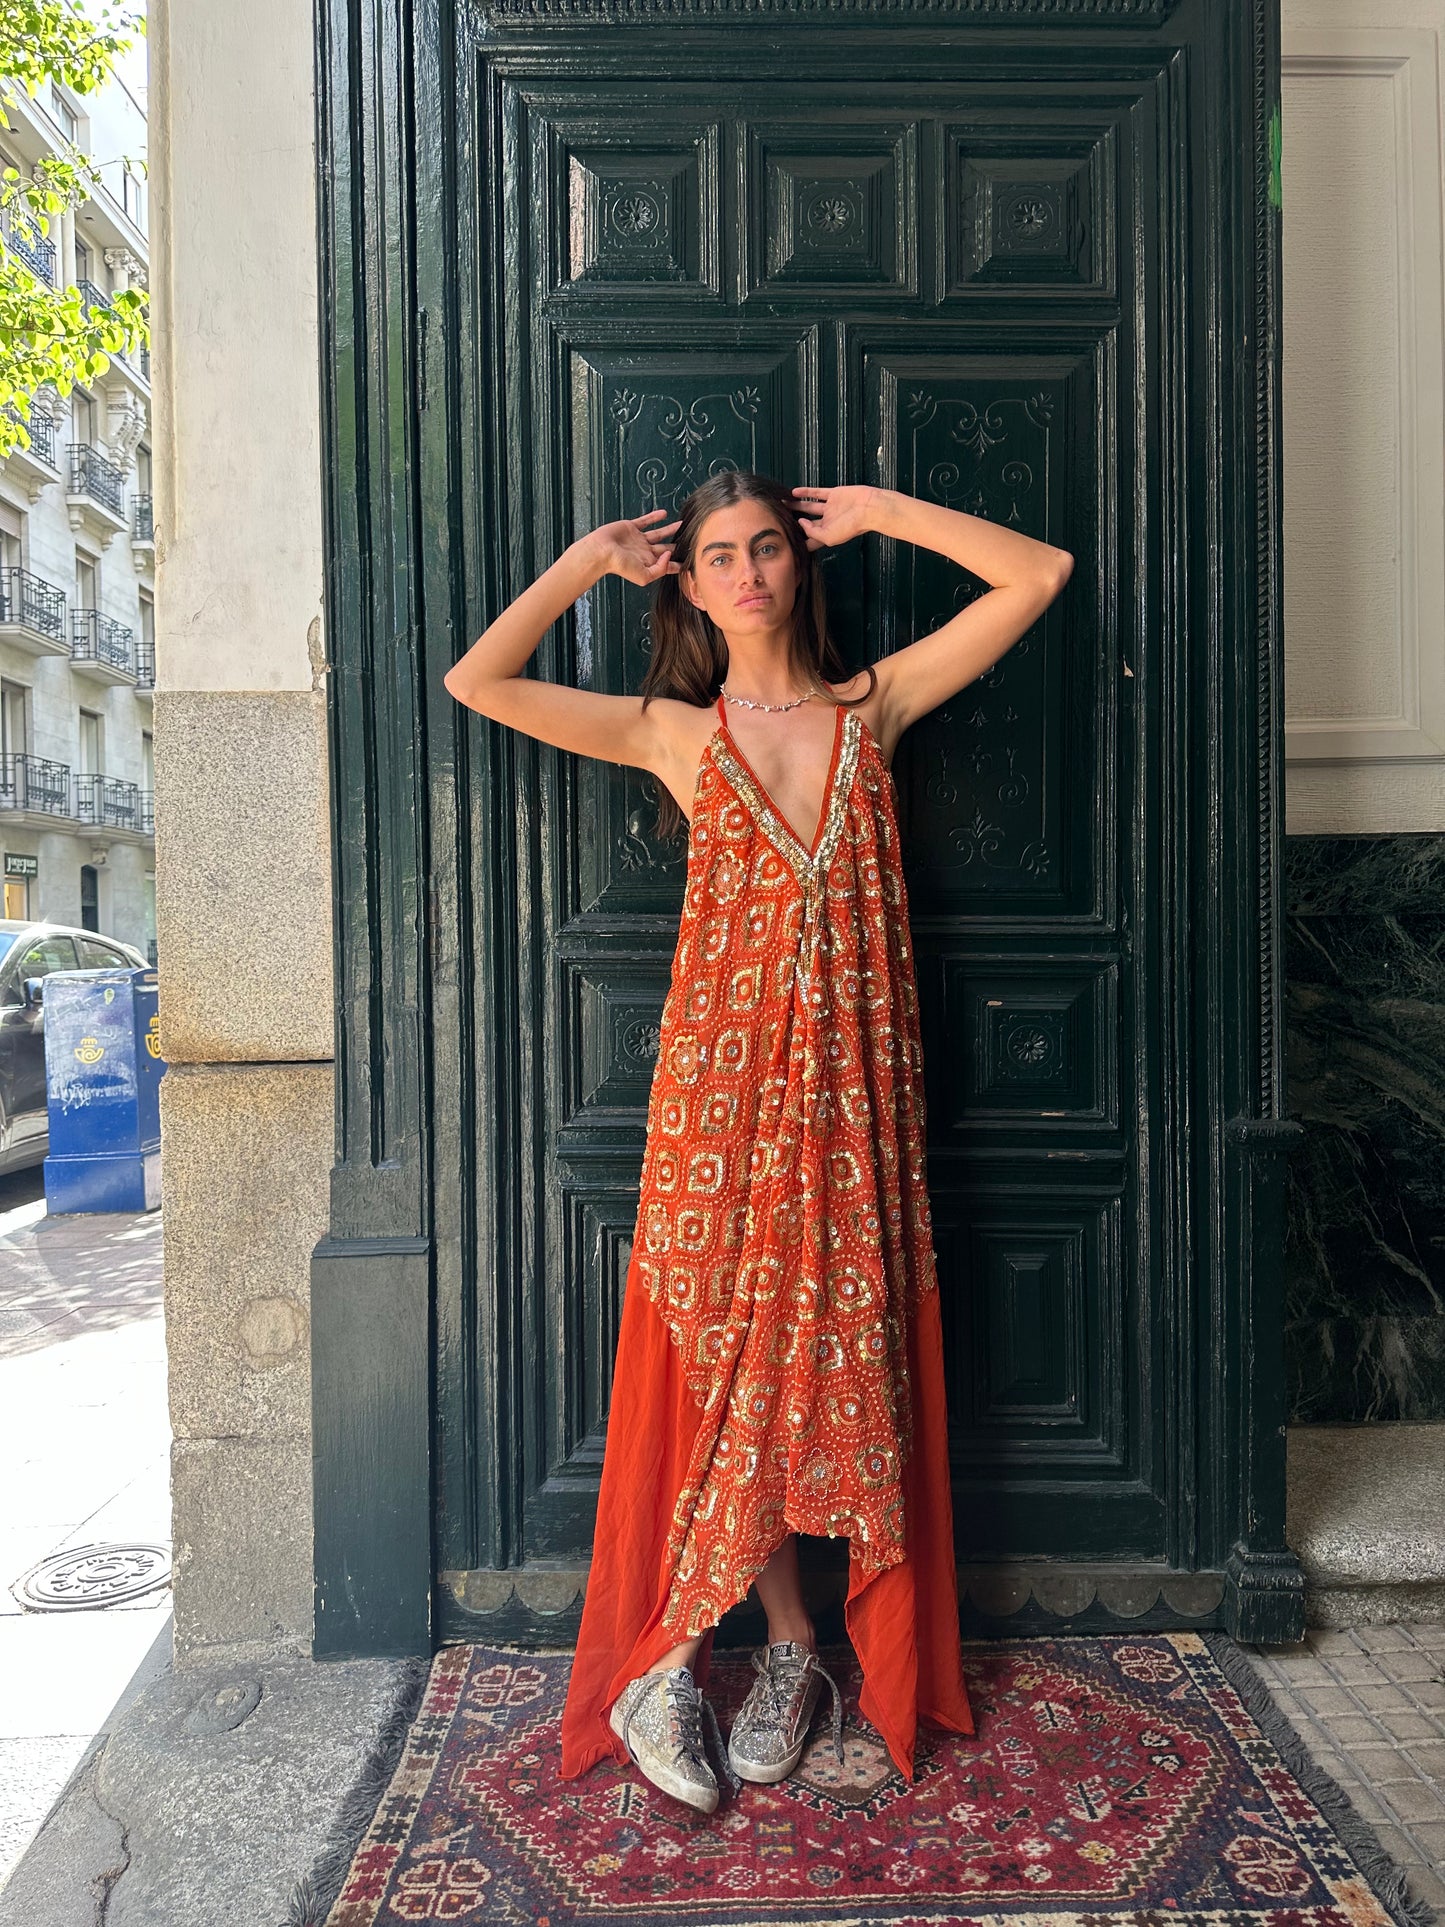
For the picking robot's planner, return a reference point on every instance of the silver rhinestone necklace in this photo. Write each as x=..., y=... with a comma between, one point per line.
x=746, y=702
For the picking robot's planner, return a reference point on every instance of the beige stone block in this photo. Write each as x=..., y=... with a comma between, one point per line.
x=242, y=1544
x=243, y=876
x=245, y=1186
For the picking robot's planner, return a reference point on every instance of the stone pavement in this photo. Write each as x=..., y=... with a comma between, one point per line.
x=131, y=1793
x=85, y=1442
x=1369, y=1703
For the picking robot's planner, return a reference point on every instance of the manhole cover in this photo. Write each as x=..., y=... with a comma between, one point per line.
x=82, y=1578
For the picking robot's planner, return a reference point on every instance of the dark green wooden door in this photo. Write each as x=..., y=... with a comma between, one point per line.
x=985, y=262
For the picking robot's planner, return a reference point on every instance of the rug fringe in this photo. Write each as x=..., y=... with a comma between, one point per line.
x=1385, y=1875
x=314, y=1894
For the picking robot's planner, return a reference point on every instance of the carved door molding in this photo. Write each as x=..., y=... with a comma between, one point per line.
x=577, y=256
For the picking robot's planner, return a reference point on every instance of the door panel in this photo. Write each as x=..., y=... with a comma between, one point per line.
x=805, y=284
x=1024, y=256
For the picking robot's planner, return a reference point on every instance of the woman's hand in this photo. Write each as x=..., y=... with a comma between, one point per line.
x=639, y=550
x=833, y=515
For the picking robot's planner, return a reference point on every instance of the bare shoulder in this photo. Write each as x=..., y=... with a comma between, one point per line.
x=681, y=730
x=678, y=733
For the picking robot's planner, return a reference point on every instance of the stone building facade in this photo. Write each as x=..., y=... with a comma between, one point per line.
x=77, y=564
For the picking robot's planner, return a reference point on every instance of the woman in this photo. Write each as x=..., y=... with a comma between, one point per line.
x=779, y=1361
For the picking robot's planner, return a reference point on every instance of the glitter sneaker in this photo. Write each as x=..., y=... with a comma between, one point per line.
x=771, y=1728
x=658, y=1717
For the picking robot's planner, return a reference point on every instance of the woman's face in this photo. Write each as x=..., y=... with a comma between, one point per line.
x=742, y=572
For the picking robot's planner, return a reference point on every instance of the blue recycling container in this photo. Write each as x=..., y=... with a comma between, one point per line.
x=103, y=1070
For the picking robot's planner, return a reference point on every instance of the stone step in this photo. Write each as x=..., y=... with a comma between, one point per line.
x=1366, y=1515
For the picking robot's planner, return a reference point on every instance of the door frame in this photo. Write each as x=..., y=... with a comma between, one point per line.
x=386, y=136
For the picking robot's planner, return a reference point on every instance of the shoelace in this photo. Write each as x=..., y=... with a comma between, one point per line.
x=780, y=1673
x=688, y=1704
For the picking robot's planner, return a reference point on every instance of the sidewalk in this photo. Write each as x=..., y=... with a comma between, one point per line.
x=130, y=1794
x=85, y=1440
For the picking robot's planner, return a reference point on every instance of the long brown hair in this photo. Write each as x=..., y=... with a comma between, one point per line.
x=690, y=653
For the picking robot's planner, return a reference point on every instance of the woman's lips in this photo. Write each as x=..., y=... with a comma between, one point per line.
x=750, y=601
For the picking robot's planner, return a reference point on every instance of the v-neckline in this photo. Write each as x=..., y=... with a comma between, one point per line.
x=809, y=850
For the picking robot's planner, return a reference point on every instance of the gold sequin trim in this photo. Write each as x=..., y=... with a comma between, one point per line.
x=779, y=832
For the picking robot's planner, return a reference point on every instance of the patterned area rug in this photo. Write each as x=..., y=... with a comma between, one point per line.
x=1120, y=1782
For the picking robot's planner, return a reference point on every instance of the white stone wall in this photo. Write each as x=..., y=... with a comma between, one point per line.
x=1364, y=416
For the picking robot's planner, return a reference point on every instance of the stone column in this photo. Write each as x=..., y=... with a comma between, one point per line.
x=243, y=884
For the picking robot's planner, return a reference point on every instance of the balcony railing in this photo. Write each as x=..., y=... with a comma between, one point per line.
x=91, y=296
x=41, y=430
x=34, y=783
x=98, y=638
x=28, y=603
x=92, y=475
x=107, y=803
x=142, y=519
x=145, y=364
x=145, y=663
x=33, y=248
x=148, y=816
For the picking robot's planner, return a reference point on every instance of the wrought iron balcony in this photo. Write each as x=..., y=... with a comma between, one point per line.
x=93, y=476
x=145, y=364
x=142, y=520
x=26, y=602
x=145, y=663
x=34, y=783
x=91, y=296
x=41, y=430
x=33, y=248
x=98, y=638
x=148, y=816
x=107, y=803
x=42, y=437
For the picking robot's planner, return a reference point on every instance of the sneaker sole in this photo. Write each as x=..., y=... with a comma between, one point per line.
x=767, y=1775
x=663, y=1777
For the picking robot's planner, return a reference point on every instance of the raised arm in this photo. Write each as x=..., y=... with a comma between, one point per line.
x=489, y=678
x=1026, y=576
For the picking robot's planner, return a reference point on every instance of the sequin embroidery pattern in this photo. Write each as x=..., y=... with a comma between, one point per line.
x=783, y=1228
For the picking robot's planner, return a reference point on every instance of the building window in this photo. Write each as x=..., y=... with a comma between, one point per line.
x=82, y=416
x=64, y=113
x=87, y=582
x=89, y=897
x=91, y=744
x=132, y=191
x=14, y=721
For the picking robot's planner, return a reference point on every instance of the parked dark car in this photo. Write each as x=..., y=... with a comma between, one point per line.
x=28, y=951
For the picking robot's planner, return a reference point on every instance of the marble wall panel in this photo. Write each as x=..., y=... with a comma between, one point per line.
x=1365, y=1044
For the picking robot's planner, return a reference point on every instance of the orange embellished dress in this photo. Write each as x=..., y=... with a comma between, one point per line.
x=779, y=1361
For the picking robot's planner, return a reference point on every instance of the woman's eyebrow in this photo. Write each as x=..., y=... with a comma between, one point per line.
x=752, y=538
